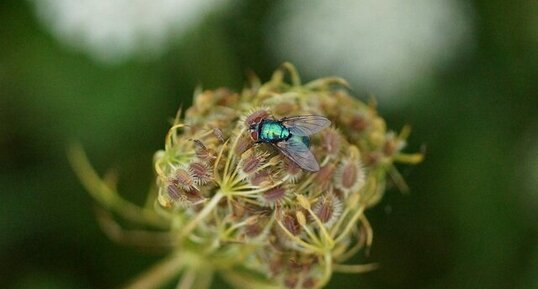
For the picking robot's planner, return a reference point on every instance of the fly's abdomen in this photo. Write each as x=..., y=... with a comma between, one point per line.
x=273, y=131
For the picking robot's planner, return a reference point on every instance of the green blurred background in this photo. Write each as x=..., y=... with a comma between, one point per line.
x=470, y=220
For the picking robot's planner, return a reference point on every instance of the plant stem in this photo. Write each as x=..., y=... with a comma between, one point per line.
x=207, y=209
x=158, y=275
x=187, y=280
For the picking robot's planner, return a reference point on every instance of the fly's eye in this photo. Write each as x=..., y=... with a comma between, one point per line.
x=254, y=135
x=256, y=120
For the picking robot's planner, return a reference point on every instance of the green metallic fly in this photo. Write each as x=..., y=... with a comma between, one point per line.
x=290, y=136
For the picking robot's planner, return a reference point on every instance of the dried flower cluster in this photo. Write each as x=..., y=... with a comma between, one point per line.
x=242, y=209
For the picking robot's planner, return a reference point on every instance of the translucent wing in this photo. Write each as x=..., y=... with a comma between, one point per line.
x=299, y=153
x=306, y=124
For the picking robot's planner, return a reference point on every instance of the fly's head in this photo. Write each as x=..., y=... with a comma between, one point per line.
x=253, y=121
x=254, y=132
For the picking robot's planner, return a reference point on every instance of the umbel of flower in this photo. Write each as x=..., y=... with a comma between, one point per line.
x=226, y=204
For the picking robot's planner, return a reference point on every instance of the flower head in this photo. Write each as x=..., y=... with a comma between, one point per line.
x=243, y=208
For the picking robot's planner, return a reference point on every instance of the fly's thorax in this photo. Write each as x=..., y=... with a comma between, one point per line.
x=273, y=131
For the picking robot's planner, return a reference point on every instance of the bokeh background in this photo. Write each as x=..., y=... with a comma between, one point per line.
x=111, y=73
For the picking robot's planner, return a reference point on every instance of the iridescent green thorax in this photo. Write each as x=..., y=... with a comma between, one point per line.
x=272, y=131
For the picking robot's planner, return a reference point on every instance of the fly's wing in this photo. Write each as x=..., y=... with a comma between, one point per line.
x=306, y=124
x=299, y=153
